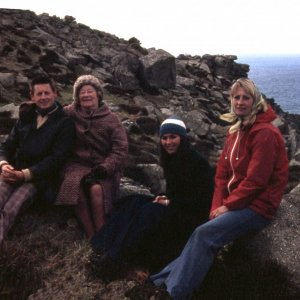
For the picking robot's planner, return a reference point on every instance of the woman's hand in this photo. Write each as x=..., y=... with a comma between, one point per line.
x=163, y=200
x=218, y=211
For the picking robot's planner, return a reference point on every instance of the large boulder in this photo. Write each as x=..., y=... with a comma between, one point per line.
x=279, y=243
x=159, y=69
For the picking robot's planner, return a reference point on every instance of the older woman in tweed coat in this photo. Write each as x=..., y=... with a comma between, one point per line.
x=92, y=175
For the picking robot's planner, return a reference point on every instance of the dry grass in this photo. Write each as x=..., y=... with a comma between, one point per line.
x=46, y=257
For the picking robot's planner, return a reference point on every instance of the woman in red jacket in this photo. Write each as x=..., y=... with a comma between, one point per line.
x=250, y=179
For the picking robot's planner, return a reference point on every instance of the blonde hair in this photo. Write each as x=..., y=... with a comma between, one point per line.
x=259, y=104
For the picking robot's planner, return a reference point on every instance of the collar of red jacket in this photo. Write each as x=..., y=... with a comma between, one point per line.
x=267, y=116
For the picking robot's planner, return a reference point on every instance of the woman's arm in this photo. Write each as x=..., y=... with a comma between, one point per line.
x=117, y=156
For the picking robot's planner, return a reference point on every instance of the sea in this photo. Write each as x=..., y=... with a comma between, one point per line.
x=277, y=77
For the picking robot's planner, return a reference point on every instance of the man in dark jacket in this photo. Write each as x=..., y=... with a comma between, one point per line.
x=34, y=152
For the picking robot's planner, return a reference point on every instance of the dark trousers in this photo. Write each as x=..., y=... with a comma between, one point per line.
x=131, y=226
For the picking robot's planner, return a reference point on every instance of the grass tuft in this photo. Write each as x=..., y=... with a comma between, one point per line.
x=46, y=257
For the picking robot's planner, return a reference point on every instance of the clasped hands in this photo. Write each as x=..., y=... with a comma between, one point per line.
x=163, y=200
x=10, y=175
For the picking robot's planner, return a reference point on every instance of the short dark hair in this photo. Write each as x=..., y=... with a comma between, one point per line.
x=42, y=79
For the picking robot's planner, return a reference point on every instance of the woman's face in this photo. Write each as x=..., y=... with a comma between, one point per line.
x=242, y=103
x=170, y=142
x=88, y=97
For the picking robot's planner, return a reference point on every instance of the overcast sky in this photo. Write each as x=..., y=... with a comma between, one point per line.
x=194, y=27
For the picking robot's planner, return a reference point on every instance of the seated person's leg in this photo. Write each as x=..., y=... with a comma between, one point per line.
x=197, y=256
x=97, y=206
x=13, y=205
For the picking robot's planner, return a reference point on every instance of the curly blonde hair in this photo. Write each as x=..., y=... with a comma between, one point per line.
x=259, y=104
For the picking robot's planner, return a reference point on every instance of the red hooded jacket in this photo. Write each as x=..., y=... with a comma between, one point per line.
x=253, y=168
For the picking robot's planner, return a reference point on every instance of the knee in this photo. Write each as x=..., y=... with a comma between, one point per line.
x=209, y=236
x=96, y=190
x=201, y=229
x=152, y=210
x=204, y=233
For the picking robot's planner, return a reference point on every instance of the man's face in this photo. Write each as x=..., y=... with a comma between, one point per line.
x=43, y=95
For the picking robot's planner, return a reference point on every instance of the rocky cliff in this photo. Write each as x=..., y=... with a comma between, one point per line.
x=143, y=86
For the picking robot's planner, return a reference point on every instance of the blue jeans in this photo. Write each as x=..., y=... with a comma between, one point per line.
x=184, y=274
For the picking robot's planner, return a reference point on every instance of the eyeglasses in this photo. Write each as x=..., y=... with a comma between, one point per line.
x=83, y=92
x=243, y=97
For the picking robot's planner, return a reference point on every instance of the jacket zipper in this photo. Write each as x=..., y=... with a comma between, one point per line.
x=230, y=160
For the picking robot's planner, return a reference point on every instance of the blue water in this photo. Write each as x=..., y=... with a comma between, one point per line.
x=277, y=77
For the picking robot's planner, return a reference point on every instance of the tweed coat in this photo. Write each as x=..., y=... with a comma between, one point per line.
x=101, y=140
